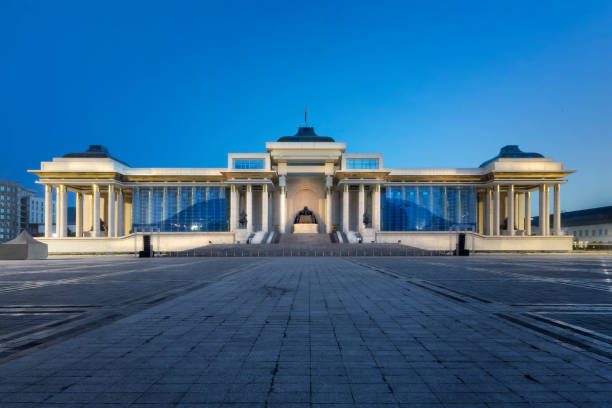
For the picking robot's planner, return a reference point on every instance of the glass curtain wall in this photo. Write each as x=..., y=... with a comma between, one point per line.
x=170, y=209
x=429, y=208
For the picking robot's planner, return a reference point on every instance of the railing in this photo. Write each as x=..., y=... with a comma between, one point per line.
x=238, y=251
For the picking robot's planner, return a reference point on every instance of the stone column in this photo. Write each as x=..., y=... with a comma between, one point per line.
x=360, y=225
x=79, y=215
x=496, y=195
x=120, y=221
x=249, y=207
x=557, y=210
x=233, y=208
x=329, y=181
x=110, y=222
x=283, y=210
x=96, y=210
x=264, y=208
x=527, y=213
x=282, y=183
x=61, y=212
x=48, y=211
x=541, y=216
x=547, y=209
x=58, y=211
x=64, y=211
x=345, y=208
x=487, y=217
x=328, y=209
x=376, y=208
x=511, y=209
x=520, y=211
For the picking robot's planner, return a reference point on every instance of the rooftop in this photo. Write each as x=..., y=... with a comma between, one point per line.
x=96, y=152
x=306, y=134
x=513, y=152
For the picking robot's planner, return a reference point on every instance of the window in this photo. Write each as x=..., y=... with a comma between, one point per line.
x=428, y=209
x=248, y=164
x=361, y=163
x=194, y=209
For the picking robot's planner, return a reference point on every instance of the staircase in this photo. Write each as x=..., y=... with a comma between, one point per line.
x=305, y=240
x=307, y=245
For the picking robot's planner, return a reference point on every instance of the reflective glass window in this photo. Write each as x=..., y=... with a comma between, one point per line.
x=180, y=209
x=428, y=209
x=361, y=163
x=248, y=163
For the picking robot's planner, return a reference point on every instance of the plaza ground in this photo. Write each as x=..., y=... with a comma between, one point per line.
x=484, y=331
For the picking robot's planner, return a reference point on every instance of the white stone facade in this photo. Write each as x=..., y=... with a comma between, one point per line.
x=346, y=192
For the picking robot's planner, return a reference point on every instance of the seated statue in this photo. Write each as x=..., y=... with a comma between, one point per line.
x=305, y=217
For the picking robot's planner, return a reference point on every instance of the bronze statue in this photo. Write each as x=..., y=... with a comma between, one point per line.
x=305, y=217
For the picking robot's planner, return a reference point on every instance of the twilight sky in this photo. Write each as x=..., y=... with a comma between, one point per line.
x=181, y=84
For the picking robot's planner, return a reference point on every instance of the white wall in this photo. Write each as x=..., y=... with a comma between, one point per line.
x=164, y=242
x=448, y=241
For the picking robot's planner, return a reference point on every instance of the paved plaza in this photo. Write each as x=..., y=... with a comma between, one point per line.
x=483, y=331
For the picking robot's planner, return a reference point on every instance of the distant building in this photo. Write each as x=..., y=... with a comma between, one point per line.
x=20, y=209
x=590, y=225
x=32, y=213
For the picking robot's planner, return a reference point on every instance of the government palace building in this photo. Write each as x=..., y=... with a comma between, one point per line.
x=303, y=184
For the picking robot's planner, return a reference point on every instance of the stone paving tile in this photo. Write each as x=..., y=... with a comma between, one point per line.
x=317, y=333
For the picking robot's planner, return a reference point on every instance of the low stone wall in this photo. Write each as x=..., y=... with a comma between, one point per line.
x=164, y=242
x=533, y=243
x=447, y=241
x=430, y=240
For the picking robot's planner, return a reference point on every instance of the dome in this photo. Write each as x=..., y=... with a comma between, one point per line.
x=94, y=152
x=512, y=151
x=306, y=134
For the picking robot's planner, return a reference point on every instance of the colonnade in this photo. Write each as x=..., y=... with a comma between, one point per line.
x=114, y=216
x=518, y=210
x=235, y=205
x=375, y=197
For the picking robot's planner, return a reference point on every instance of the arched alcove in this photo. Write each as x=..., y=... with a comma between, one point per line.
x=308, y=192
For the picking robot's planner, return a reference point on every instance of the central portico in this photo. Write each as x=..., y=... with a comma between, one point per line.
x=305, y=164
x=305, y=167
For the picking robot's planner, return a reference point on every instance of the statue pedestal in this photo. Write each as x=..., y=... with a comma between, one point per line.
x=305, y=229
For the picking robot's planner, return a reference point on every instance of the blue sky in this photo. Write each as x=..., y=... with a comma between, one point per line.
x=429, y=85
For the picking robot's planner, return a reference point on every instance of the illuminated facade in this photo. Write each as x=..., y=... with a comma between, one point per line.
x=259, y=194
